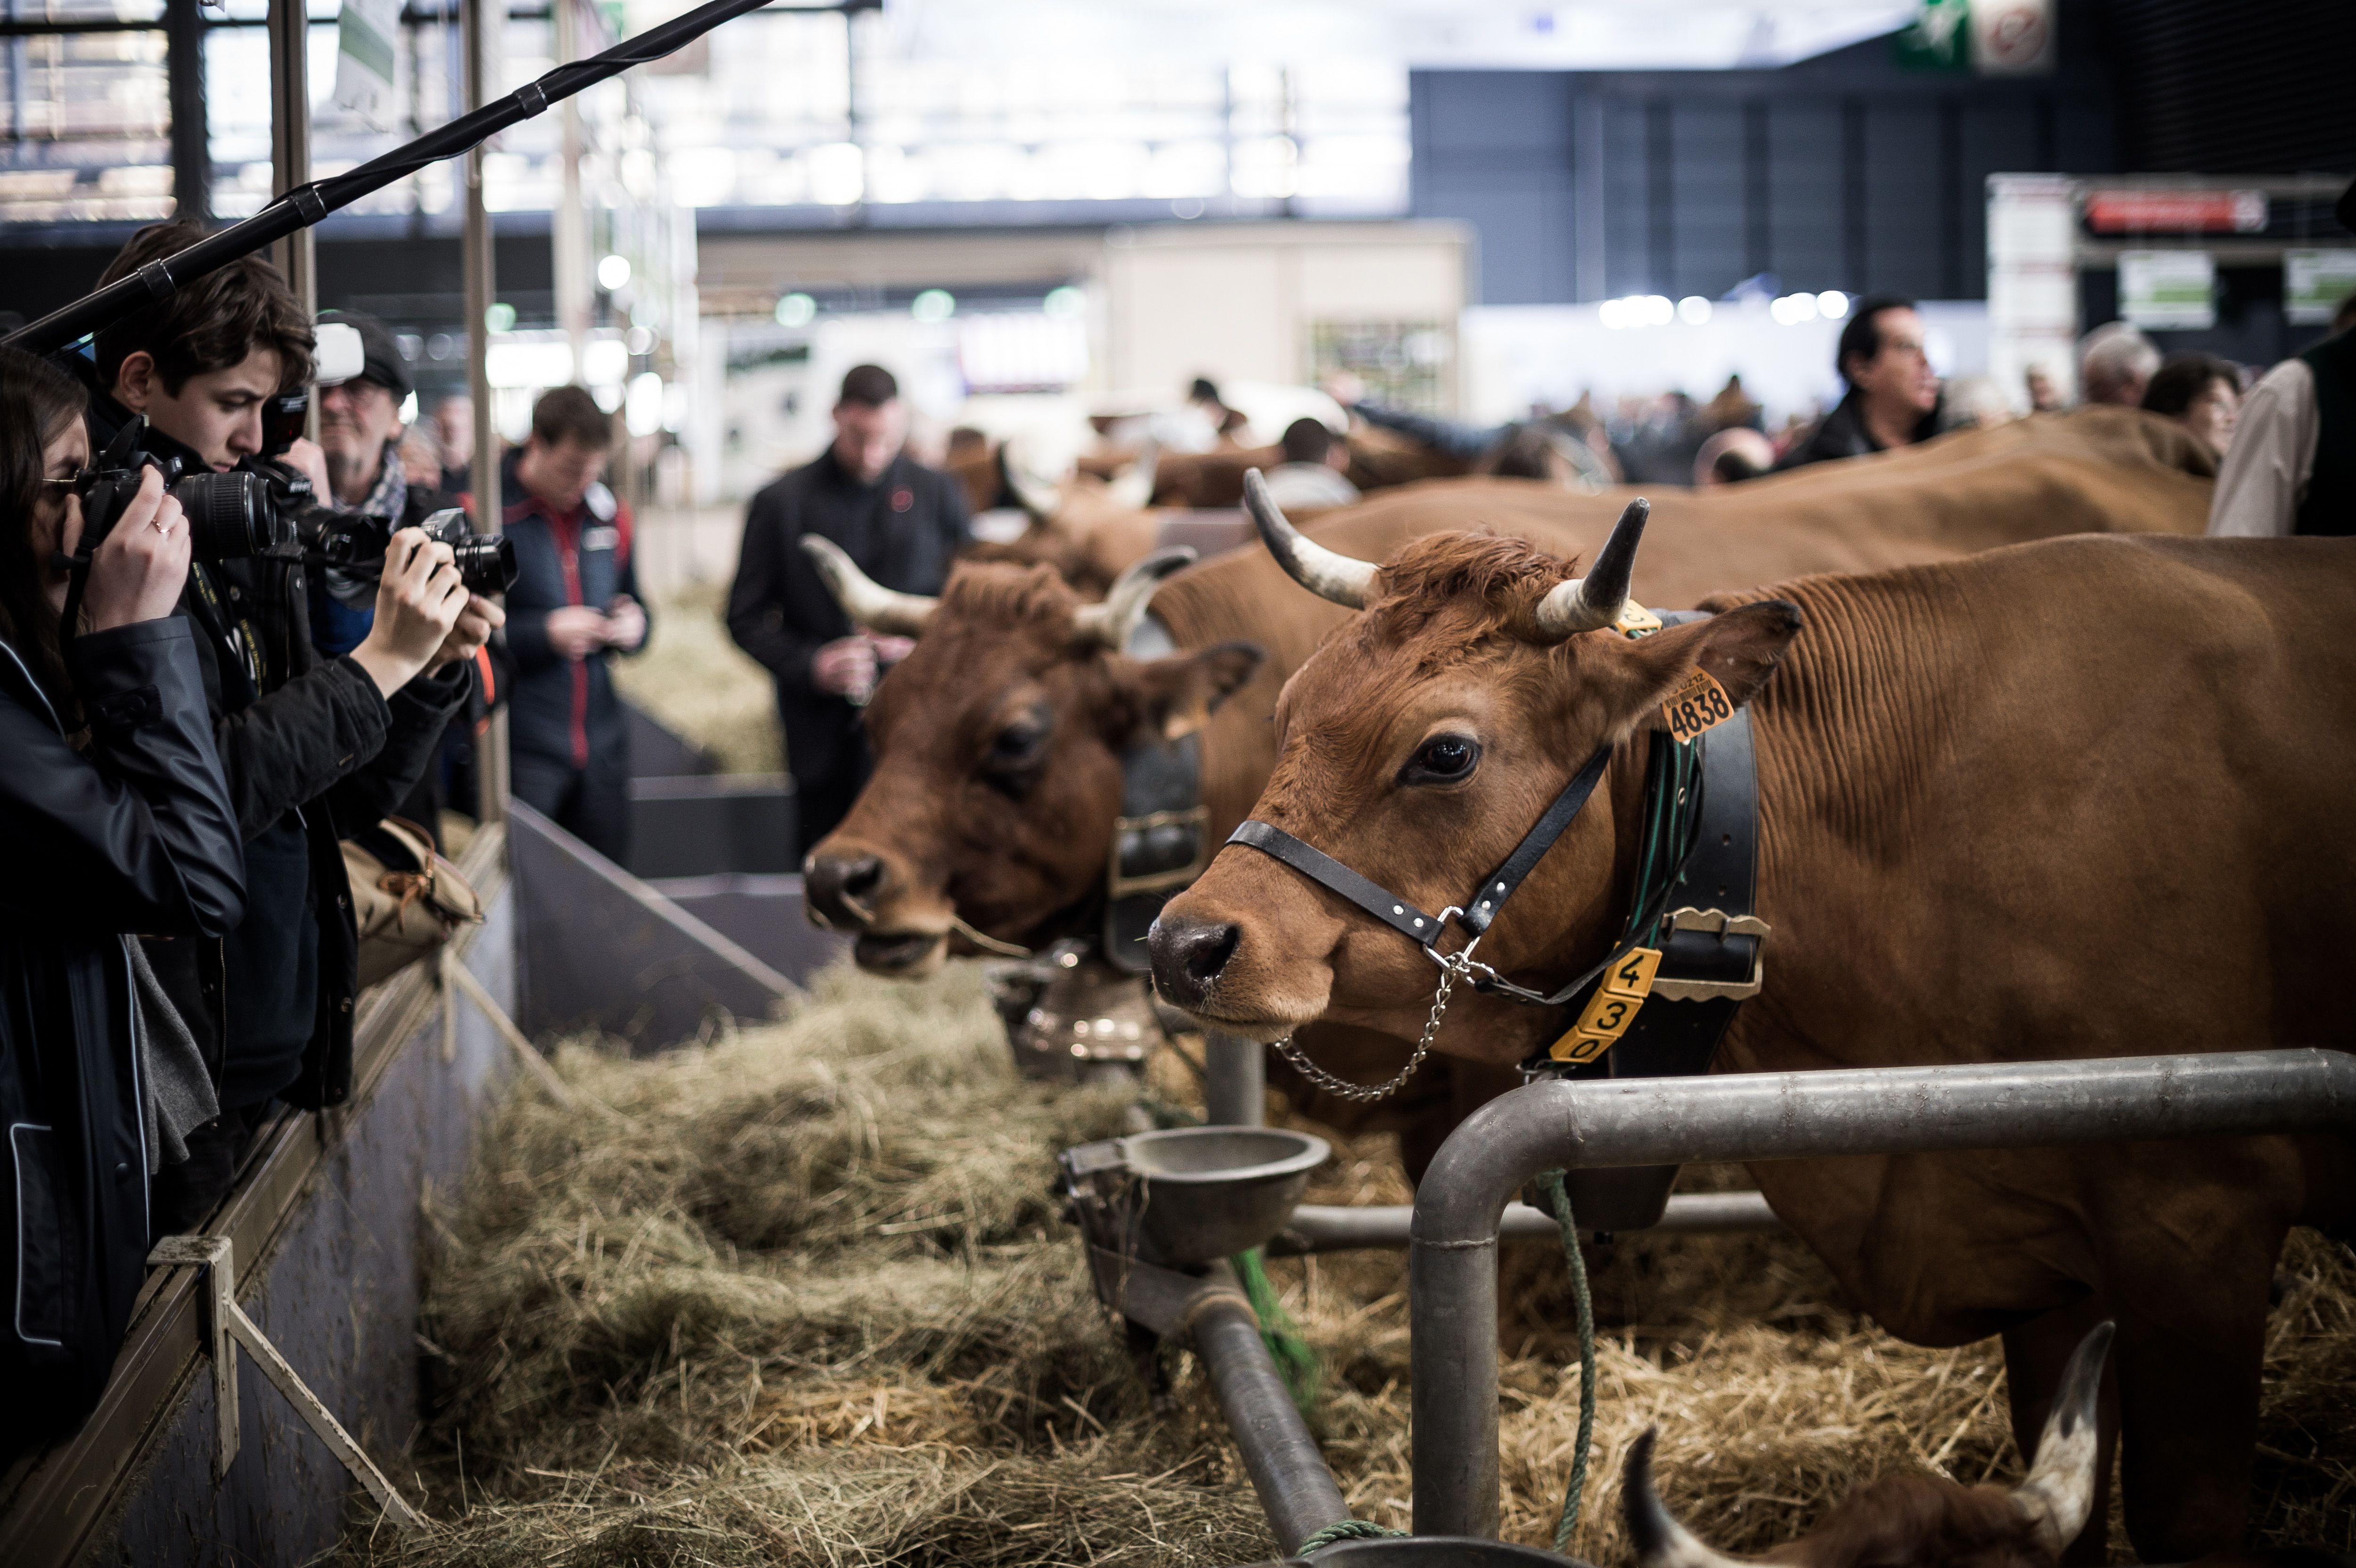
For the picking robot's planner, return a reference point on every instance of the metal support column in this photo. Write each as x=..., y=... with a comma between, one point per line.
x=1234, y=1087
x=290, y=145
x=192, y=166
x=568, y=228
x=477, y=19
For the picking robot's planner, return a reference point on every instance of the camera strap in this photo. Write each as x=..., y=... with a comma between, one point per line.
x=239, y=639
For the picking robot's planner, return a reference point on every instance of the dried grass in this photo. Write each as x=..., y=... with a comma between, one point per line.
x=703, y=686
x=811, y=1303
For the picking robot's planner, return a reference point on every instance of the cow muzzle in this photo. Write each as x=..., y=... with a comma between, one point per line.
x=851, y=889
x=1216, y=969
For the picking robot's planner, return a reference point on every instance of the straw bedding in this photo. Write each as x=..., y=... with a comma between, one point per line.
x=803, y=1297
x=702, y=686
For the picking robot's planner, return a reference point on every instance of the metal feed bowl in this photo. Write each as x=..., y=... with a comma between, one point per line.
x=1438, y=1551
x=1212, y=1193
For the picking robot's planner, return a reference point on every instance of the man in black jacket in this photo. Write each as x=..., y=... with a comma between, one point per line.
x=902, y=522
x=312, y=748
x=1893, y=394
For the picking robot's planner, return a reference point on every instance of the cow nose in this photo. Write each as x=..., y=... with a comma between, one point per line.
x=1188, y=955
x=843, y=887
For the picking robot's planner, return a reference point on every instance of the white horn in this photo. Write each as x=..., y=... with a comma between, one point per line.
x=867, y=601
x=1659, y=1540
x=1134, y=488
x=1111, y=622
x=2059, y=1494
x=1327, y=573
x=1591, y=603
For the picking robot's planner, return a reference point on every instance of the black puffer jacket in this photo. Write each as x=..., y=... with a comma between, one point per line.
x=138, y=835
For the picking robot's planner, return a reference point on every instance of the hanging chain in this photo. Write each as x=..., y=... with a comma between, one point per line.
x=1452, y=965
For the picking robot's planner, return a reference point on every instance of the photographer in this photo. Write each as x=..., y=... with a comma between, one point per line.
x=312, y=748
x=131, y=831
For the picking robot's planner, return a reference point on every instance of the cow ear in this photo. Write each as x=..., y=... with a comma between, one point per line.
x=1738, y=648
x=1175, y=695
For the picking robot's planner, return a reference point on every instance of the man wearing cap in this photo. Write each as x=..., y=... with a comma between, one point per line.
x=359, y=438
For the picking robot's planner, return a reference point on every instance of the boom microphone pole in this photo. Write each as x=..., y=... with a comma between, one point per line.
x=307, y=204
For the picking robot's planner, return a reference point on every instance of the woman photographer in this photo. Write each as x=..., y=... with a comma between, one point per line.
x=115, y=818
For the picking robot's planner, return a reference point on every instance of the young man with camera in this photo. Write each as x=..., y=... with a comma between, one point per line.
x=313, y=747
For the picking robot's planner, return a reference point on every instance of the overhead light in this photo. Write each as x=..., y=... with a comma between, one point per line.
x=1065, y=302
x=1789, y=310
x=796, y=310
x=613, y=272
x=1693, y=310
x=933, y=304
x=1833, y=303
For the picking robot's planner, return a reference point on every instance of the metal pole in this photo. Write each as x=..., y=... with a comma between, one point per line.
x=1452, y=1257
x=1354, y=1227
x=568, y=228
x=1296, y=1489
x=192, y=169
x=1234, y=1080
x=290, y=143
x=478, y=17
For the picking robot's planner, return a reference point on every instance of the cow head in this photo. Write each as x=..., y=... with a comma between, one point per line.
x=1925, y=1521
x=1417, y=745
x=998, y=746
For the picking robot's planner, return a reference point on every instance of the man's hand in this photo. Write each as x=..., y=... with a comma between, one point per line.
x=417, y=604
x=306, y=458
x=140, y=568
x=889, y=650
x=626, y=624
x=476, y=621
x=845, y=667
x=577, y=631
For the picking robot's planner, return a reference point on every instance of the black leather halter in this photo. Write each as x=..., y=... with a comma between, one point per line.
x=1476, y=912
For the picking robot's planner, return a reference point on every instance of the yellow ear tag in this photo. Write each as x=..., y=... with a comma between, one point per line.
x=1635, y=620
x=1611, y=1009
x=1699, y=705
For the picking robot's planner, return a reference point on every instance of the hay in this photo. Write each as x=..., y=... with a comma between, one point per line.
x=811, y=1302
x=702, y=686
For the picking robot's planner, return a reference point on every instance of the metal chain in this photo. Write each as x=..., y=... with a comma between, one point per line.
x=1451, y=965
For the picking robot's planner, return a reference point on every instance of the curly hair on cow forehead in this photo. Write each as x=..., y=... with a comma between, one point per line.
x=1464, y=585
x=1003, y=593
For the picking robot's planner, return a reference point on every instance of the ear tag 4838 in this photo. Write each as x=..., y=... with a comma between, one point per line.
x=1611, y=1009
x=1699, y=705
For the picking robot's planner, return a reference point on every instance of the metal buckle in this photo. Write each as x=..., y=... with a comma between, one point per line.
x=1722, y=924
x=1125, y=829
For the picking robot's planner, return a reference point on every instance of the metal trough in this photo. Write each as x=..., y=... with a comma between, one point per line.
x=1452, y=1277
x=1194, y=1195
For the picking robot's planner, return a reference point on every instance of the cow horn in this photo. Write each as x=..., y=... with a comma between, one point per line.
x=1591, y=603
x=2059, y=1494
x=1659, y=1540
x=1327, y=573
x=1111, y=622
x=867, y=601
x=1134, y=489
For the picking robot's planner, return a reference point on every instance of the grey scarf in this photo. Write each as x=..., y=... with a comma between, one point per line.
x=179, y=1089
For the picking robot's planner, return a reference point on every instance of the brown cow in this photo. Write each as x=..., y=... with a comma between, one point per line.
x=945, y=831
x=2081, y=798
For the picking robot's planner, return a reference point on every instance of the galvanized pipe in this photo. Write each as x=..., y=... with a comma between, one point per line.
x=1341, y=1228
x=1452, y=1266
x=1234, y=1080
x=1296, y=1489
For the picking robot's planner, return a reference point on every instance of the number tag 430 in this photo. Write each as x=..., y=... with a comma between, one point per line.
x=1611, y=1009
x=1699, y=704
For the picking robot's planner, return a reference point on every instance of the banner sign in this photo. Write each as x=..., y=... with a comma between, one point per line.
x=364, y=53
x=2316, y=282
x=2176, y=211
x=2169, y=290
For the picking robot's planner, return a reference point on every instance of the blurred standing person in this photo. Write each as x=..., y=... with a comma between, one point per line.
x=574, y=605
x=454, y=424
x=2044, y=397
x=2115, y=365
x=1893, y=394
x=2200, y=393
x=1309, y=477
x=902, y=522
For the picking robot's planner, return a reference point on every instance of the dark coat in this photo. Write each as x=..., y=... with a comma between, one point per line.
x=138, y=835
x=561, y=708
x=903, y=530
x=1842, y=433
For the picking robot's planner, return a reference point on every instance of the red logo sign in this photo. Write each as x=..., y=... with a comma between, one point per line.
x=2181, y=212
x=903, y=499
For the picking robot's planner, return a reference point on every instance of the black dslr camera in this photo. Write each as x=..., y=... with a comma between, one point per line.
x=355, y=544
x=229, y=515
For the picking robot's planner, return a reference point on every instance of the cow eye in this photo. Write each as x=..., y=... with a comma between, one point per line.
x=1017, y=746
x=1443, y=759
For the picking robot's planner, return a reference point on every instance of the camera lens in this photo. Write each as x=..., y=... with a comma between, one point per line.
x=486, y=563
x=229, y=515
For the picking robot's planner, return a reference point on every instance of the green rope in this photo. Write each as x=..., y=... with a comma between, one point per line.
x=1296, y=1364
x=1550, y=1184
x=1345, y=1530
